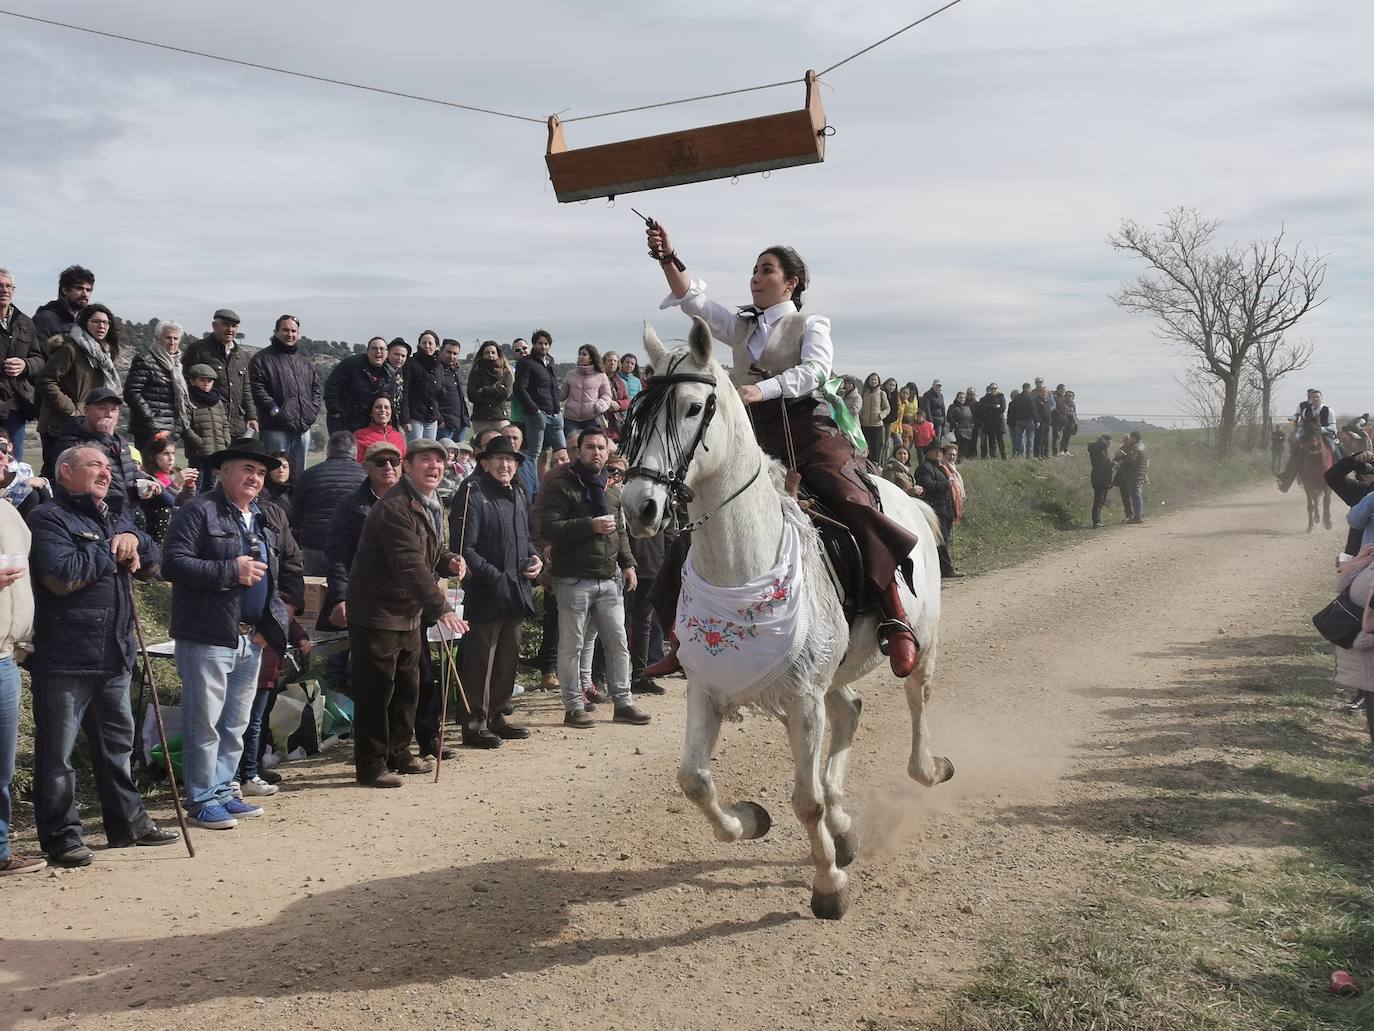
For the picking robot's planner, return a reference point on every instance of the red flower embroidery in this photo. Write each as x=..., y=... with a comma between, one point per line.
x=713, y=638
x=780, y=594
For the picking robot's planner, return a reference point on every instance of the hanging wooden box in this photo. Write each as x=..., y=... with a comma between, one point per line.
x=692, y=156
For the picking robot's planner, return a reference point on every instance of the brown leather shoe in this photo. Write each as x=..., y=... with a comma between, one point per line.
x=381, y=780
x=578, y=719
x=411, y=765
x=629, y=714
x=550, y=682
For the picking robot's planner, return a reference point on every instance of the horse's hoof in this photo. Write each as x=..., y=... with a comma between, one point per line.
x=830, y=907
x=752, y=813
x=944, y=769
x=846, y=848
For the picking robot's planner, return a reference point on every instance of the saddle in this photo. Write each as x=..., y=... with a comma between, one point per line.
x=843, y=560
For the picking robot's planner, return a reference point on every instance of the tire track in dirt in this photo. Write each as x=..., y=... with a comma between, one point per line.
x=564, y=882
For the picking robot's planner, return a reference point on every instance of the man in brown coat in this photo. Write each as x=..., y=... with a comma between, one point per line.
x=391, y=592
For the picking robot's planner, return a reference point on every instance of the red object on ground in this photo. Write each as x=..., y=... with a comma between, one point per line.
x=1343, y=984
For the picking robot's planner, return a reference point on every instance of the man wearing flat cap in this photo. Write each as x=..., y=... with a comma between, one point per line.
x=234, y=568
x=392, y=592
x=96, y=427
x=490, y=522
x=221, y=350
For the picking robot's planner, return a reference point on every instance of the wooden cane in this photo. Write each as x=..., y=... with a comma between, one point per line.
x=448, y=655
x=147, y=679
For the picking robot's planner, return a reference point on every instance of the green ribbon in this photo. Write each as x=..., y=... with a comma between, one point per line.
x=829, y=388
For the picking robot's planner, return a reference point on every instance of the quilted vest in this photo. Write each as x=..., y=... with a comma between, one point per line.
x=780, y=353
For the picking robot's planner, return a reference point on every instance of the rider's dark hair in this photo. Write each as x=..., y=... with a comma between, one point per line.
x=792, y=266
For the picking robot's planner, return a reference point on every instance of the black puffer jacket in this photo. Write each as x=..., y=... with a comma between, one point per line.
x=349, y=389
x=490, y=390
x=285, y=389
x=54, y=319
x=123, y=468
x=316, y=495
x=1101, y=463
x=20, y=340
x=933, y=479
x=83, y=620
x=1021, y=408
x=232, y=384
x=497, y=545
x=151, y=397
x=961, y=421
x=341, y=544
x=536, y=386
x=992, y=413
x=423, y=386
x=453, y=402
x=200, y=561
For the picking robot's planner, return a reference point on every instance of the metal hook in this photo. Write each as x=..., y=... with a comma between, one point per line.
x=826, y=130
x=734, y=180
x=588, y=201
x=610, y=201
x=766, y=173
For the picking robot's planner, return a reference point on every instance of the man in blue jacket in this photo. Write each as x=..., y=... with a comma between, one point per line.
x=490, y=523
x=85, y=546
x=233, y=568
x=537, y=389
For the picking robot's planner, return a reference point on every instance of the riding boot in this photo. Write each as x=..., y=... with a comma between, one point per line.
x=668, y=665
x=897, y=639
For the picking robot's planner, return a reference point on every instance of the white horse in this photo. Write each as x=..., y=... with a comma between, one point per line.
x=744, y=515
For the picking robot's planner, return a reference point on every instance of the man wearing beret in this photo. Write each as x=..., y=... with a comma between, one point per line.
x=392, y=591
x=234, y=567
x=221, y=351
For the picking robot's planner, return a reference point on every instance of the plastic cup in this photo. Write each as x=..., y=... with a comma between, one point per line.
x=14, y=561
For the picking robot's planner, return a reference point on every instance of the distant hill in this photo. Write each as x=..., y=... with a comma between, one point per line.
x=1111, y=424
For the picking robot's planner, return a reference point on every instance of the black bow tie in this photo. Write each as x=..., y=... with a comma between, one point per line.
x=750, y=312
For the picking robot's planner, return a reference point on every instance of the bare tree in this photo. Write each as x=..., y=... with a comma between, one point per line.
x=1272, y=359
x=1217, y=303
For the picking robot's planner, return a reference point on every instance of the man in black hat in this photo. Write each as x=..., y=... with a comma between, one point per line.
x=933, y=480
x=221, y=351
x=96, y=427
x=234, y=567
x=490, y=526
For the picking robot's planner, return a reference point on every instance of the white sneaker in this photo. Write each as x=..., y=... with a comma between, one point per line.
x=235, y=789
x=258, y=786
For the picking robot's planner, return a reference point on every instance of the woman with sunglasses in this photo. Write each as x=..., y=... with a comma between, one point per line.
x=18, y=484
x=379, y=428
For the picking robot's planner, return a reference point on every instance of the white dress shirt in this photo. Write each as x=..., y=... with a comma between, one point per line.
x=816, y=347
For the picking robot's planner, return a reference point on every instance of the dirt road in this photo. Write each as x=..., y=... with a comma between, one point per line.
x=564, y=882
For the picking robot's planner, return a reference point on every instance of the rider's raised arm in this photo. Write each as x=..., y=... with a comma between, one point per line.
x=725, y=322
x=817, y=360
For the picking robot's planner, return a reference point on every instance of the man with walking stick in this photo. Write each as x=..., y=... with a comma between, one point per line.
x=83, y=541
x=490, y=526
x=392, y=591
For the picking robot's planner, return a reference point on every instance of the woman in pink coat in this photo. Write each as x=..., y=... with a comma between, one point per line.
x=586, y=392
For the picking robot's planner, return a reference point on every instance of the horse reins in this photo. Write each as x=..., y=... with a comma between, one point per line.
x=641, y=425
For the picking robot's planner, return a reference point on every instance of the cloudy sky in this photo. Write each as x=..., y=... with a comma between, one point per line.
x=956, y=228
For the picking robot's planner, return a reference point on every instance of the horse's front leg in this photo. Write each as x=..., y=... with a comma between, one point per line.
x=843, y=709
x=1326, y=508
x=741, y=820
x=805, y=718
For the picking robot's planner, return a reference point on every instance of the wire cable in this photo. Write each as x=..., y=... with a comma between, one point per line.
x=684, y=100
x=273, y=68
x=904, y=28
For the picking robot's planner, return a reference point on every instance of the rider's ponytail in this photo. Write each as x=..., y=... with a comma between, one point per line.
x=792, y=266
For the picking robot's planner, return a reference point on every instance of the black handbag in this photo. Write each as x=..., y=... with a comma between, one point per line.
x=1341, y=621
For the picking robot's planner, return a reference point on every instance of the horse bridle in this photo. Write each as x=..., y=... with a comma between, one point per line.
x=640, y=418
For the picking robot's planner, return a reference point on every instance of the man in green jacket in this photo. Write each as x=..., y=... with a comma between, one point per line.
x=590, y=551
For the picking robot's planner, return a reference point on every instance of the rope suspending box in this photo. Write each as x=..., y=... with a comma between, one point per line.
x=692, y=156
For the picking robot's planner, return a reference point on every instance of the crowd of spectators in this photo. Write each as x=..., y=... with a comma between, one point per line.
x=502, y=473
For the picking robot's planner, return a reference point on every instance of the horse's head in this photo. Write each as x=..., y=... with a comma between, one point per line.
x=678, y=432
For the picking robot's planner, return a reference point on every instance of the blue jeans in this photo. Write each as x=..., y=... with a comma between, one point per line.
x=218, y=685
x=543, y=432
x=63, y=704
x=415, y=429
x=9, y=741
x=16, y=424
x=1023, y=439
x=297, y=448
x=1133, y=498
x=252, y=735
x=599, y=603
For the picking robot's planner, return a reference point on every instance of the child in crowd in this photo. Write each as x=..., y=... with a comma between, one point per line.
x=252, y=779
x=159, y=462
x=207, y=425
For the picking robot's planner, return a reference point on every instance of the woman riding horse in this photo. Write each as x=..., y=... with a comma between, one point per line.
x=780, y=356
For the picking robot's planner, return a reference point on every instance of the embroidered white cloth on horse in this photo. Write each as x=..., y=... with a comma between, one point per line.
x=739, y=641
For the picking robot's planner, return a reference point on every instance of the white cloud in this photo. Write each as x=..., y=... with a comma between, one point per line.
x=956, y=228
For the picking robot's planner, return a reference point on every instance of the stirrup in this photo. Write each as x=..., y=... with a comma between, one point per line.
x=888, y=627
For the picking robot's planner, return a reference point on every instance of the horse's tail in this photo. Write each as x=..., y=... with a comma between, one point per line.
x=932, y=520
